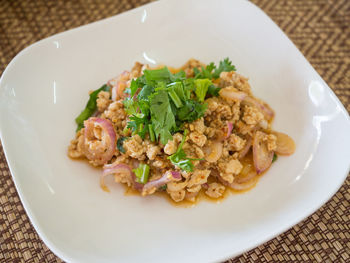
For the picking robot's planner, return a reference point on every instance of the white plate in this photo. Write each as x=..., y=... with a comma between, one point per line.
x=46, y=85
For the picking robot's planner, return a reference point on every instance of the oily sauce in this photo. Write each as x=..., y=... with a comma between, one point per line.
x=246, y=161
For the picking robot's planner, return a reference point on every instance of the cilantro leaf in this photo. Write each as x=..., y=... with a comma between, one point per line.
x=120, y=143
x=156, y=75
x=130, y=106
x=163, y=119
x=191, y=111
x=179, y=157
x=138, y=124
x=205, y=72
x=201, y=86
x=213, y=72
x=224, y=66
x=213, y=90
x=145, y=92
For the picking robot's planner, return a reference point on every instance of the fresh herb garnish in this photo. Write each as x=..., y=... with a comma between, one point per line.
x=274, y=159
x=213, y=72
x=90, y=107
x=180, y=159
x=142, y=173
x=201, y=88
x=213, y=90
x=162, y=188
x=120, y=143
x=161, y=102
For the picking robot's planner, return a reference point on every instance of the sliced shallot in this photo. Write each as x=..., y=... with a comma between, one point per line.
x=245, y=149
x=230, y=93
x=213, y=152
x=118, y=85
x=109, y=169
x=244, y=179
x=229, y=129
x=240, y=186
x=152, y=186
x=265, y=109
x=285, y=144
x=244, y=186
x=99, y=150
x=262, y=157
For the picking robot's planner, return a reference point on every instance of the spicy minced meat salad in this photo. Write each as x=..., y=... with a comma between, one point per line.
x=197, y=129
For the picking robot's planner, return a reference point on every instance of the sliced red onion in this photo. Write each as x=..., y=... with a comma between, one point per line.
x=240, y=186
x=99, y=155
x=244, y=179
x=265, y=109
x=205, y=185
x=167, y=177
x=118, y=85
x=230, y=94
x=229, y=129
x=118, y=90
x=243, y=186
x=285, y=144
x=214, y=152
x=109, y=169
x=246, y=148
x=262, y=157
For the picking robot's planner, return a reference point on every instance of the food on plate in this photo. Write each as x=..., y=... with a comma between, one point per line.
x=197, y=130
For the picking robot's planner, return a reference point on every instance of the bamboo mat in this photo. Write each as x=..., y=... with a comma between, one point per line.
x=319, y=28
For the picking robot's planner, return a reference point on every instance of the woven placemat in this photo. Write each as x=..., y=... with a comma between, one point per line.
x=319, y=28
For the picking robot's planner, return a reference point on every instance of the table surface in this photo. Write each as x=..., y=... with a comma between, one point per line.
x=319, y=28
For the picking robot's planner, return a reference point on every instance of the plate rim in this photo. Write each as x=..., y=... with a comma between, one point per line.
x=272, y=234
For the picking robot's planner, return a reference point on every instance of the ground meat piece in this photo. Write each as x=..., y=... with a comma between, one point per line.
x=136, y=71
x=271, y=141
x=176, y=186
x=159, y=163
x=188, y=67
x=195, y=188
x=252, y=115
x=134, y=147
x=199, y=152
x=209, y=132
x=123, y=178
x=177, y=137
x=186, y=174
x=198, y=138
x=103, y=100
x=199, y=177
x=229, y=168
x=224, y=111
x=245, y=128
x=75, y=147
x=233, y=167
x=215, y=190
x=236, y=111
x=236, y=80
x=178, y=195
x=170, y=148
x=235, y=143
x=152, y=151
x=199, y=125
x=212, y=105
x=116, y=113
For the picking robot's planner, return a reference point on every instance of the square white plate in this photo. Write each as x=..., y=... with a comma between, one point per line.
x=46, y=86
